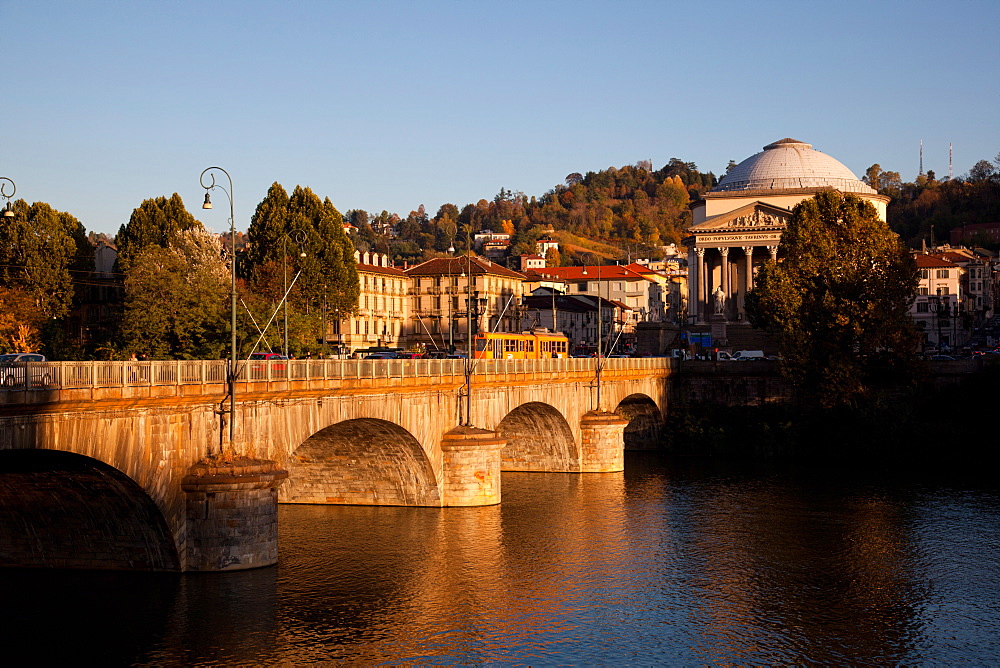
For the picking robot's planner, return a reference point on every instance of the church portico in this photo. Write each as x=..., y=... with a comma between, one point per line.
x=738, y=225
x=726, y=257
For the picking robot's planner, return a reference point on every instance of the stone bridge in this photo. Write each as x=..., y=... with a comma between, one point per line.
x=128, y=465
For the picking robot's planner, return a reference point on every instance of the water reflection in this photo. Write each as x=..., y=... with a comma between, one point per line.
x=679, y=563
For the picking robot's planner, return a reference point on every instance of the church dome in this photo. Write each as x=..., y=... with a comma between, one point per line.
x=789, y=164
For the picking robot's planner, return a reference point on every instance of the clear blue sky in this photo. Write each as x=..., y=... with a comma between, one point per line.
x=389, y=105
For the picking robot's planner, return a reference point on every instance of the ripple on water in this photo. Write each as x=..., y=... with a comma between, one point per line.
x=687, y=563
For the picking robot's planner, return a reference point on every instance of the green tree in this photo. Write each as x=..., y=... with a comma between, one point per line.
x=981, y=171
x=176, y=302
x=40, y=248
x=329, y=276
x=156, y=222
x=873, y=176
x=838, y=299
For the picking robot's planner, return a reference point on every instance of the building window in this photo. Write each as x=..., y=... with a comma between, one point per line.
x=922, y=307
x=922, y=290
x=942, y=273
x=923, y=273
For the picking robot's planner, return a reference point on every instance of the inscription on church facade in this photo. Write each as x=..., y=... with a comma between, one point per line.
x=734, y=238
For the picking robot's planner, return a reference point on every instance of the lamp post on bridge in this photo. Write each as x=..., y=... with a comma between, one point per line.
x=233, y=355
x=472, y=310
x=470, y=344
x=451, y=316
x=600, y=335
x=8, y=210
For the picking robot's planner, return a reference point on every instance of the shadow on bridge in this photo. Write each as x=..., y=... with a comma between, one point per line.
x=63, y=510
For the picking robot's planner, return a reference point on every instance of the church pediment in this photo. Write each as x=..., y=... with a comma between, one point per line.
x=754, y=217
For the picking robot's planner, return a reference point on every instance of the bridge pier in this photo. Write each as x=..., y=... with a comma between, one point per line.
x=602, y=446
x=232, y=513
x=471, y=471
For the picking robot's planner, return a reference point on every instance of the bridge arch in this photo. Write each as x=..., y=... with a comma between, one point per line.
x=538, y=439
x=361, y=461
x=645, y=421
x=64, y=510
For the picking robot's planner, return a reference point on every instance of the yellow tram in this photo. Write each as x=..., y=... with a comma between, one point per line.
x=526, y=345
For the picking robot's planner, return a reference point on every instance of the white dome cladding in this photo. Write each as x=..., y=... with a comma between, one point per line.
x=788, y=164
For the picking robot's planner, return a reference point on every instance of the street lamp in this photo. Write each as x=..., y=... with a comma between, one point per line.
x=8, y=210
x=340, y=345
x=451, y=317
x=231, y=372
x=600, y=334
x=470, y=344
x=299, y=237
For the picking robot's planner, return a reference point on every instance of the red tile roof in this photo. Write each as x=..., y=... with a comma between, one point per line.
x=953, y=256
x=453, y=266
x=643, y=270
x=929, y=261
x=605, y=272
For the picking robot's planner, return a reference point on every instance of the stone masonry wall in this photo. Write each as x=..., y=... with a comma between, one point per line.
x=602, y=447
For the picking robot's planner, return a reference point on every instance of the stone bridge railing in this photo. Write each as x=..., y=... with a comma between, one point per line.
x=15, y=382
x=147, y=444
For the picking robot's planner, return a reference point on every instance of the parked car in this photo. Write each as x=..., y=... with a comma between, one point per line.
x=748, y=355
x=268, y=357
x=381, y=356
x=409, y=356
x=17, y=368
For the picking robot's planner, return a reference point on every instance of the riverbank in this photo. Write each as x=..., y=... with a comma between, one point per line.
x=925, y=423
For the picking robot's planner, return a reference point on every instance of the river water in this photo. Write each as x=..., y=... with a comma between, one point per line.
x=677, y=562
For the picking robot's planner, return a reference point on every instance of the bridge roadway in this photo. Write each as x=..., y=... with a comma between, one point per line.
x=127, y=465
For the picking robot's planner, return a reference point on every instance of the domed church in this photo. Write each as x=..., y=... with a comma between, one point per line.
x=738, y=224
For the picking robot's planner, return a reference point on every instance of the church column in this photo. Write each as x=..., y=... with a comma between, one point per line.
x=726, y=290
x=699, y=296
x=748, y=253
x=692, y=287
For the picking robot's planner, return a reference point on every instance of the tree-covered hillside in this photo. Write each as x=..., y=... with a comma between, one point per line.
x=928, y=209
x=628, y=207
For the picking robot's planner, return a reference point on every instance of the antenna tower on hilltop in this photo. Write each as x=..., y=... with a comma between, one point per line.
x=951, y=173
x=921, y=157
